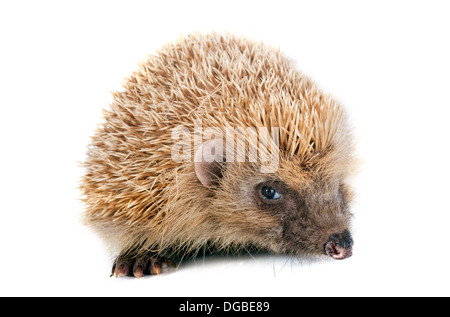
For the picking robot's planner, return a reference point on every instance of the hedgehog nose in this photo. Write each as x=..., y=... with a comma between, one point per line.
x=339, y=246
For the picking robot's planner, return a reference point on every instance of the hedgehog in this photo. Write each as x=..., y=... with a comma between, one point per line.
x=157, y=187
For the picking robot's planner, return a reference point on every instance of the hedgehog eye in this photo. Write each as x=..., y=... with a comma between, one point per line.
x=270, y=193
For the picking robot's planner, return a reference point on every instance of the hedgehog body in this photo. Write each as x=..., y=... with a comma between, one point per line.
x=148, y=205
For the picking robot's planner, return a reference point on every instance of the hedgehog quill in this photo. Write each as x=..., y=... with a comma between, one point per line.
x=268, y=170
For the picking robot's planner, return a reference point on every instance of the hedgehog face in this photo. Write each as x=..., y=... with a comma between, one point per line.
x=298, y=211
x=314, y=216
x=311, y=212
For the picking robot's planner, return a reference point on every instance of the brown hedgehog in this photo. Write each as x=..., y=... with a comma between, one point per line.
x=151, y=204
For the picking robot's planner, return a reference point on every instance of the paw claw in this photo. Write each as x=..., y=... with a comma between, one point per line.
x=138, y=271
x=155, y=269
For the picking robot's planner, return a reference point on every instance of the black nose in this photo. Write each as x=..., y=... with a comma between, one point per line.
x=339, y=246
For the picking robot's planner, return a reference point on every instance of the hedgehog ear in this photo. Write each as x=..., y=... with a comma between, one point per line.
x=207, y=162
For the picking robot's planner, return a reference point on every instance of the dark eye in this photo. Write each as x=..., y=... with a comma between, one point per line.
x=269, y=193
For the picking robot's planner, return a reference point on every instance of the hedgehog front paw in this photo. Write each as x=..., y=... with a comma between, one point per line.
x=140, y=266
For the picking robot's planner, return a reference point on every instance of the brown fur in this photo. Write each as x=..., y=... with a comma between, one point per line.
x=139, y=199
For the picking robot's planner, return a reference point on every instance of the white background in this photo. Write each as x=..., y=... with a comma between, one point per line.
x=388, y=62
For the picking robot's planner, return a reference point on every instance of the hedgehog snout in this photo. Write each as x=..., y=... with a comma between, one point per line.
x=339, y=246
